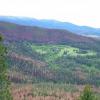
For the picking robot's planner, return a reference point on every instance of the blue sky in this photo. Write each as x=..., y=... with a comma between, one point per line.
x=81, y=12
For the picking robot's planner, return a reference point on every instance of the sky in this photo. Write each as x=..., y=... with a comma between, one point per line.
x=80, y=12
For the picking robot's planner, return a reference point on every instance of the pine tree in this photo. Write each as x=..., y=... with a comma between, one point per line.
x=87, y=94
x=4, y=82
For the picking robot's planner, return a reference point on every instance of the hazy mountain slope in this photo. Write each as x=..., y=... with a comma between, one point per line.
x=83, y=30
x=40, y=35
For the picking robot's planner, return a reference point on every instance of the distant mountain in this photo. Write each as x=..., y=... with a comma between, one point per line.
x=53, y=24
x=40, y=35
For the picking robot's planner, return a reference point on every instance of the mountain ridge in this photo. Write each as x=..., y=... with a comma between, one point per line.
x=52, y=24
x=42, y=35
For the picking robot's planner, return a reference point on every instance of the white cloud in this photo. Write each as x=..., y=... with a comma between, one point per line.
x=83, y=12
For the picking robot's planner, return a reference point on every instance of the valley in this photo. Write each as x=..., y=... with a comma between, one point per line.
x=50, y=64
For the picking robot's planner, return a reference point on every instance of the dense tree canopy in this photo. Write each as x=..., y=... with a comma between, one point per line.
x=4, y=83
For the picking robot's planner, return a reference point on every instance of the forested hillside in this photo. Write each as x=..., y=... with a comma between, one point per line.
x=39, y=54
x=50, y=58
x=54, y=63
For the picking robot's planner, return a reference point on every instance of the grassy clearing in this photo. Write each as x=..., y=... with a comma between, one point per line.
x=49, y=89
x=44, y=91
x=52, y=52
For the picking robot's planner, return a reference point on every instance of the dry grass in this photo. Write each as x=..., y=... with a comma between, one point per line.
x=25, y=92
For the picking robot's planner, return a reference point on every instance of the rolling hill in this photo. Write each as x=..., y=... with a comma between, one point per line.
x=53, y=24
x=40, y=35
